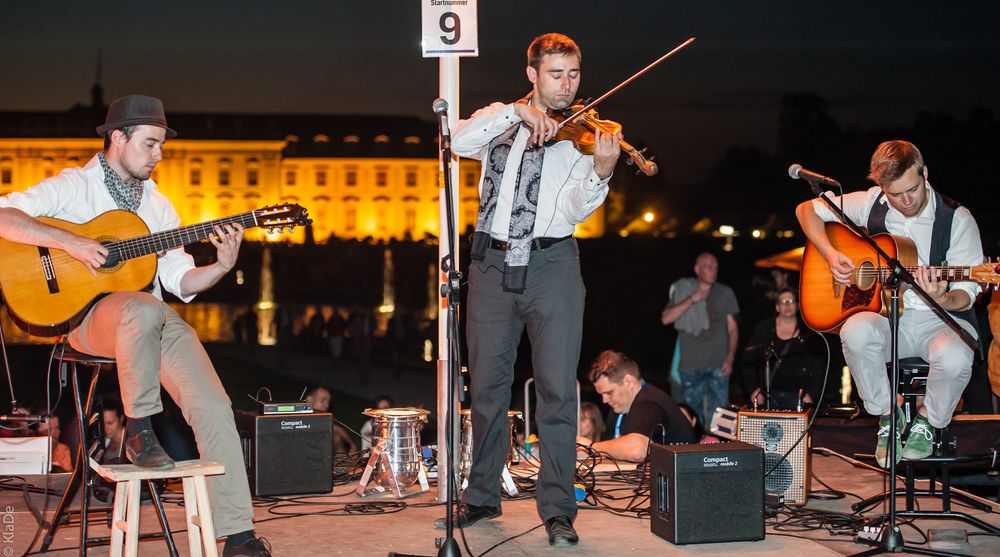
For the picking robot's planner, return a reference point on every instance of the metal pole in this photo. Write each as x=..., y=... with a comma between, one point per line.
x=447, y=90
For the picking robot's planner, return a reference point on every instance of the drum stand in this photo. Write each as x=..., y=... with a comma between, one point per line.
x=379, y=452
x=506, y=479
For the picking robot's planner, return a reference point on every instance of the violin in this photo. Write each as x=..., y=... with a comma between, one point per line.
x=580, y=130
x=578, y=123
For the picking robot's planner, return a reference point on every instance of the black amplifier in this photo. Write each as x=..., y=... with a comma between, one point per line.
x=707, y=493
x=287, y=454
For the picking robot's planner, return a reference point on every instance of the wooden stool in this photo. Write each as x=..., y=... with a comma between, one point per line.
x=125, y=517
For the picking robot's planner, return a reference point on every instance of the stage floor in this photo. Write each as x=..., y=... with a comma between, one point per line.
x=343, y=524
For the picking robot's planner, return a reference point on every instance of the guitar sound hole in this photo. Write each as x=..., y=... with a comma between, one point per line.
x=865, y=275
x=114, y=257
x=112, y=262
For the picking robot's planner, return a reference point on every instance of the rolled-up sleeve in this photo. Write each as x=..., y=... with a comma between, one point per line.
x=45, y=199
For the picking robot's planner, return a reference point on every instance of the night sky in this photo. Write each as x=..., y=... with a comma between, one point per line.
x=877, y=63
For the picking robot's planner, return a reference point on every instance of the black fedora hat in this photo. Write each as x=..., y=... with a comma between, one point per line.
x=135, y=110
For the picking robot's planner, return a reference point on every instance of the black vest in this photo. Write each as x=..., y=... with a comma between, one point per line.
x=944, y=215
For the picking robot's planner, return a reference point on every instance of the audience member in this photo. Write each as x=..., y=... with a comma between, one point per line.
x=795, y=363
x=704, y=313
x=61, y=458
x=381, y=403
x=320, y=398
x=114, y=427
x=591, y=422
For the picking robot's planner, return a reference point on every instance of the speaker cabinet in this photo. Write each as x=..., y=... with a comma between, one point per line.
x=777, y=432
x=707, y=493
x=287, y=454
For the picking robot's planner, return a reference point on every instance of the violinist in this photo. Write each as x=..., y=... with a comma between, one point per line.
x=525, y=272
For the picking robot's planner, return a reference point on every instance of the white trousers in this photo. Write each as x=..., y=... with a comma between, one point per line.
x=922, y=334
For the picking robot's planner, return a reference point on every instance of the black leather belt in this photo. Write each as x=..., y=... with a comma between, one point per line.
x=537, y=243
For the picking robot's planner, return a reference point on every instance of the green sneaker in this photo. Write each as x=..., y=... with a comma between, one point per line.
x=882, y=448
x=920, y=440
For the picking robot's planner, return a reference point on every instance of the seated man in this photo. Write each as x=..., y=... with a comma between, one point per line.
x=342, y=442
x=640, y=411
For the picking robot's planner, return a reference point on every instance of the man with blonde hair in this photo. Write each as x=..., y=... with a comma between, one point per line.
x=903, y=203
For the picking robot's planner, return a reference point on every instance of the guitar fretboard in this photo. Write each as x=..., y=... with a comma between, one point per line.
x=170, y=239
x=943, y=273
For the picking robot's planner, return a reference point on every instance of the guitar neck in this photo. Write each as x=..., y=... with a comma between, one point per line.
x=169, y=239
x=946, y=273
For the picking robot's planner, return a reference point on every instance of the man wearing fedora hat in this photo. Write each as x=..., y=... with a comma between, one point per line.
x=151, y=343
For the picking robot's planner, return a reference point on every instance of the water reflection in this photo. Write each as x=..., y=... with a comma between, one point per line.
x=214, y=322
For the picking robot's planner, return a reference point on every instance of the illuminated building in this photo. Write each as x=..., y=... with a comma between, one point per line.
x=359, y=176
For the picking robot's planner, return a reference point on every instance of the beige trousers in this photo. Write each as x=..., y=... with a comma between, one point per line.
x=866, y=341
x=154, y=346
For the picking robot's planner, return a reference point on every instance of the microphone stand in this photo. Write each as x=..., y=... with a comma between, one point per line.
x=770, y=358
x=891, y=539
x=452, y=291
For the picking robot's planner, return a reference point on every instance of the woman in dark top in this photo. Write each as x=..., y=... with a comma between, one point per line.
x=791, y=346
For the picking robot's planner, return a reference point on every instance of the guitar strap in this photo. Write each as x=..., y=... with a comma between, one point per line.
x=944, y=215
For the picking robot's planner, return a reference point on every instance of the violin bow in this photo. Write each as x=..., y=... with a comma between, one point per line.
x=615, y=89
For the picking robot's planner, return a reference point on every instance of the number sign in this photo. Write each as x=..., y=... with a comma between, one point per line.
x=449, y=28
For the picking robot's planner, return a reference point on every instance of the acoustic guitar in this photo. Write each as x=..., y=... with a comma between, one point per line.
x=826, y=304
x=46, y=289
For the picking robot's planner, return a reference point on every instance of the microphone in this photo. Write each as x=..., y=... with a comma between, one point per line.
x=440, y=108
x=796, y=171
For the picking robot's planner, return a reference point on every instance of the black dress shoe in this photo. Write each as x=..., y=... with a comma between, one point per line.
x=469, y=515
x=561, y=532
x=144, y=450
x=255, y=547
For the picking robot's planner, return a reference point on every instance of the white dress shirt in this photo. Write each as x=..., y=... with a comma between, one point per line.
x=79, y=195
x=966, y=248
x=570, y=189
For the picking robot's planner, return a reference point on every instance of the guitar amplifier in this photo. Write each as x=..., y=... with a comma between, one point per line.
x=777, y=432
x=707, y=493
x=287, y=454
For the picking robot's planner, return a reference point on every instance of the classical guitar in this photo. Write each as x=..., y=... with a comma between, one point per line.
x=45, y=289
x=826, y=304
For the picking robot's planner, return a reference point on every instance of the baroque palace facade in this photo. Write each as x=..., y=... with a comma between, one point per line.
x=360, y=177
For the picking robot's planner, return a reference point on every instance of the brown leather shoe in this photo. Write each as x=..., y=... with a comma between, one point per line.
x=143, y=449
